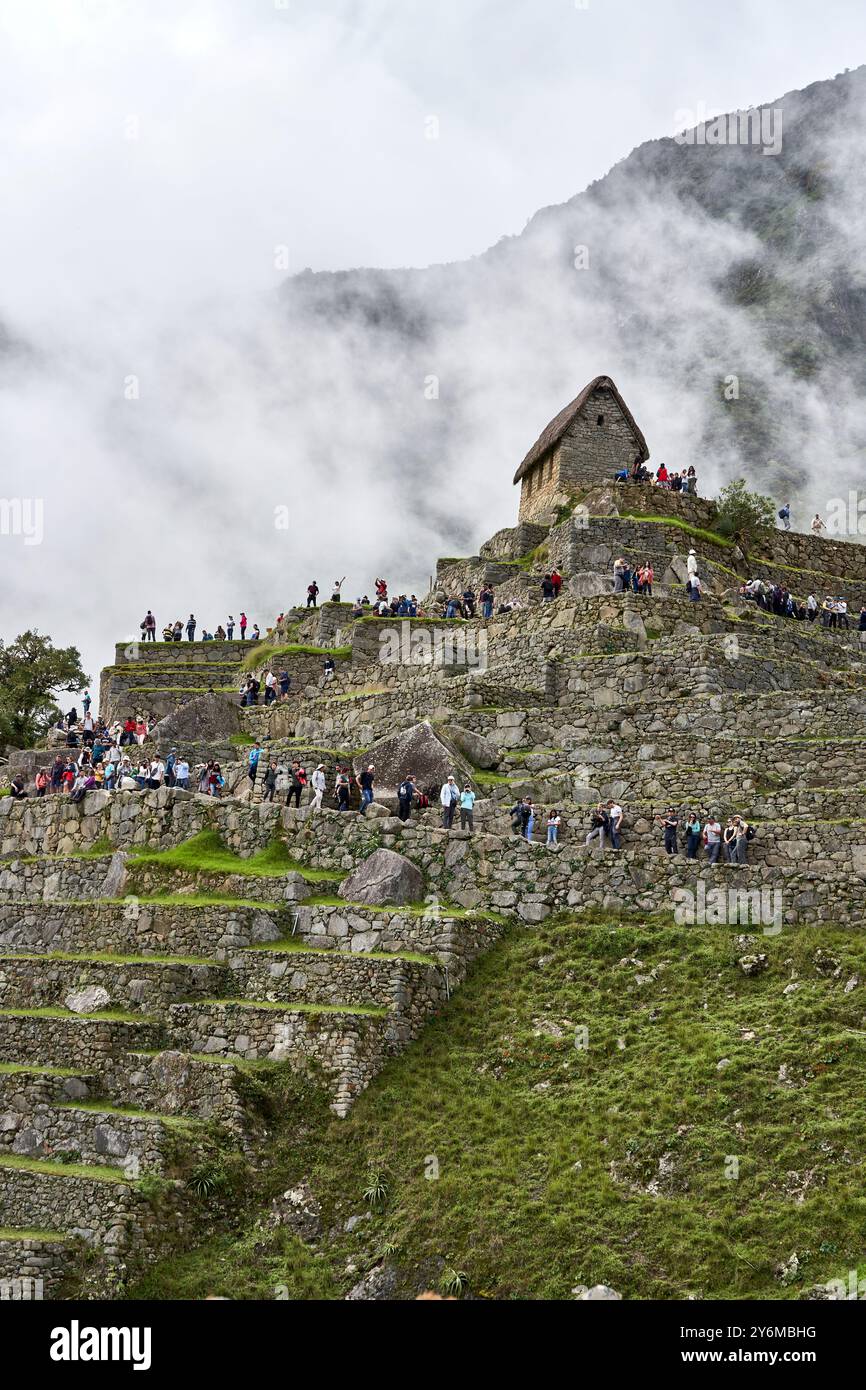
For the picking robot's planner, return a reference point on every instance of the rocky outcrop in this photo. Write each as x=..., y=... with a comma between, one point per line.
x=385, y=877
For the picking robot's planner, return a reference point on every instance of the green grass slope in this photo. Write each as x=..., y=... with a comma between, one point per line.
x=510, y=1145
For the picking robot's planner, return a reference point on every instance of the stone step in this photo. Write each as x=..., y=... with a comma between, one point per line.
x=96, y=1203
x=55, y=1036
x=95, y=1133
x=403, y=984
x=24, y=1087
x=139, y=926
x=147, y=984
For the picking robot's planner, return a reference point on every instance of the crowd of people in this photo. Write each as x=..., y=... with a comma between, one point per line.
x=686, y=482
x=173, y=632
x=832, y=611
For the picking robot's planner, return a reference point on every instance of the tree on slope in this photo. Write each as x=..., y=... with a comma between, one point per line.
x=744, y=513
x=32, y=672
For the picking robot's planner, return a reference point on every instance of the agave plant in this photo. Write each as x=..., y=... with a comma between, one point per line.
x=376, y=1192
x=454, y=1282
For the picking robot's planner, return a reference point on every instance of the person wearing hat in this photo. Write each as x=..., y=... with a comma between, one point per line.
x=467, y=802
x=448, y=797
x=670, y=821
x=366, y=782
x=317, y=786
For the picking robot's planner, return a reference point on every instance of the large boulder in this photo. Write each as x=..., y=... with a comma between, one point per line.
x=475, y=747
x=204, y=719
x=420, y=750
x=384, y=877
x=589, y=584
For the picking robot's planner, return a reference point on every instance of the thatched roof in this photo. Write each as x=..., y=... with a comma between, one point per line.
x=551, y=436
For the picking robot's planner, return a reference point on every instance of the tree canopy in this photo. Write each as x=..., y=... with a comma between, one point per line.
x=32, y=673
x=744, y=512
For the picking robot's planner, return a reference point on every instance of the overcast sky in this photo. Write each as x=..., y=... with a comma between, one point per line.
x=156, y=157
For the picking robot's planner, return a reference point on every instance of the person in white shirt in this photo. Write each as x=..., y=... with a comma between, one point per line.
x=317, y=786
x=181, y=774
x=817, y=525
x=614, y=811
x=157, y=774
x=270, y=688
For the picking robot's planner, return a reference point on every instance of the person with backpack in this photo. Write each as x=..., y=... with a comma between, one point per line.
x=448, y=799
x=785, y=516
x=312, y=594
x=599, y=822
x=253, y=764
x=406, y=793
x=170, y=764
x=148, y=627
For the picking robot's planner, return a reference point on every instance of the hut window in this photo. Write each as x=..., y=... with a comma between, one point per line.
x=600, y=420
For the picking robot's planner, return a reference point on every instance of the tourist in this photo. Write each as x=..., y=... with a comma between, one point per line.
x=181, y=774
x=255, y=636
x=520, y=814
x=743, y=833
x=694, y=585
x=270, y=782
x=253, y=764
x=157, y=774
x=220, y=633
x=406, y=792
x=17, y=788
x=785, y=516
x=862, y=623
x=556, y=581
x=548, y=592
x=448, y=798
x=670, y=822
x=811, y=608
x=270, y=687
x=148, y=627
x=317, y=787
x=486, y=598
x=728, y=840
x=468, y=597
x=366, y=783
x=341, y=788
x=335, y=592
x=619, y=569
x=818, y=526
x=467, y=802
x=712, y=838
x=328, y=668
x=599, y=822
x=693, y=834
x=230, y=627
x=614, y=817
x=554, y=820
x=285, y=681
x=243, y=626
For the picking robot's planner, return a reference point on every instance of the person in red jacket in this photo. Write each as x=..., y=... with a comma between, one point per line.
x=556, y=581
